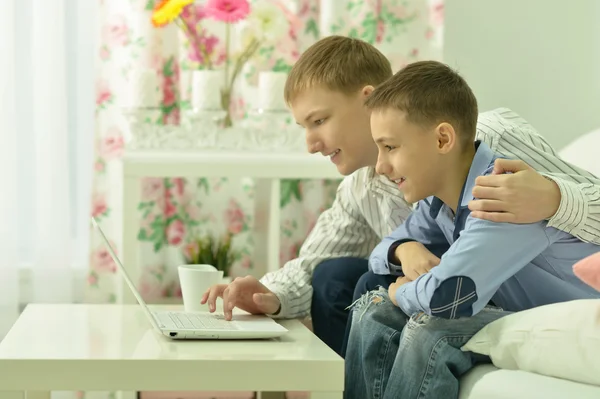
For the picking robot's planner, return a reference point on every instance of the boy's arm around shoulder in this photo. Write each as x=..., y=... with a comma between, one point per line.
x=485, y=255
x=341, y=231
x=579, y=208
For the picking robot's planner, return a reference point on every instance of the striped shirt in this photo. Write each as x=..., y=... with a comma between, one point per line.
x=368, y=207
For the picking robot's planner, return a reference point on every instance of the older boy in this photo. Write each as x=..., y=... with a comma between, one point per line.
x=405, y=342
x=326, y=90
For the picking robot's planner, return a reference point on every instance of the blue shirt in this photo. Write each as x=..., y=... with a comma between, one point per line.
x=517, y=266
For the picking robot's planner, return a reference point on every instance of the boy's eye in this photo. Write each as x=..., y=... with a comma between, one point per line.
x=319, y=122
x=388, y=147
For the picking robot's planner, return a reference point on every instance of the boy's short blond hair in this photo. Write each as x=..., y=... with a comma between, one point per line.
x=430, y=92
x=337, y=63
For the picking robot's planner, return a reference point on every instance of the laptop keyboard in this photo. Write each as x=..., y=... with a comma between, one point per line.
x=196, y=321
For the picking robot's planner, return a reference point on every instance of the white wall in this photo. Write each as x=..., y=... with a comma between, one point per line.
x=539, y=57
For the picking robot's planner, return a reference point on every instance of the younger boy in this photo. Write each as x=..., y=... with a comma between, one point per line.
x=405, y=341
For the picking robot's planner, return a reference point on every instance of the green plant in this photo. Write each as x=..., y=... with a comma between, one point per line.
x=207, y=250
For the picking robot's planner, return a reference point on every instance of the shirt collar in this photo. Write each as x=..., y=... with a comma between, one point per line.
x=481, y=163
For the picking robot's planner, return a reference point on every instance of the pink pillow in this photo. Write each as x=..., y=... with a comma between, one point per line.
x=588, y=270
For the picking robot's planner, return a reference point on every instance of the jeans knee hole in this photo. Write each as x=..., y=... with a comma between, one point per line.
x=363, y=303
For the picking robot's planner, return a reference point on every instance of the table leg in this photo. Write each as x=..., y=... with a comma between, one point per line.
x=130, y=252
x=37, y=395
x=326, y=395
x=266, y=225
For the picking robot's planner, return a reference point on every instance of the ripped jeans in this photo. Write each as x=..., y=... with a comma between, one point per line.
x=393, y=356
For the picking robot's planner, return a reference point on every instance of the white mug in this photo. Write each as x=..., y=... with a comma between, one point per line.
x=195, y=280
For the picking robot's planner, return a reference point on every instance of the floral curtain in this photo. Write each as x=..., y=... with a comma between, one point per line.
x=171, y=209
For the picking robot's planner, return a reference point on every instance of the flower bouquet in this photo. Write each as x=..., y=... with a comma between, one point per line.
x=262, y=22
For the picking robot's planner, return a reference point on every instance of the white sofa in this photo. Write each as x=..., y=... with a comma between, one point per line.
x=489, y=382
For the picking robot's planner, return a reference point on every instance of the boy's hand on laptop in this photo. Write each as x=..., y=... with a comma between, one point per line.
x=523, y=196
x=246, y=293
x=415, y=259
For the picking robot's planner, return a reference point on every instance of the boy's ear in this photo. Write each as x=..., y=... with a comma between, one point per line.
x=446, y=137
x=367, y=90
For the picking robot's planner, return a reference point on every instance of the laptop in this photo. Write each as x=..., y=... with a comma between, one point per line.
x=200, y=325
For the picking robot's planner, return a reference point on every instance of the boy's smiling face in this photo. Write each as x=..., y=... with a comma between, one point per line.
x=408, y=154
x=336, y=125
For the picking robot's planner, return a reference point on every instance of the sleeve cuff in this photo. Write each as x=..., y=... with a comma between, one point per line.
x=284, y=303
x=572, y=210
x=391, y=257
x=400, y=296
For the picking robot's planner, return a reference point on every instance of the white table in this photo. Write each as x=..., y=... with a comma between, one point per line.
x=266, y=168
x=114, y=348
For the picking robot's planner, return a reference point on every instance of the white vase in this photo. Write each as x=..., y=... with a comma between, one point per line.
x=206, y=89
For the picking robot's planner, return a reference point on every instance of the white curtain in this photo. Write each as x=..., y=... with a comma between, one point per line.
x=46, y=151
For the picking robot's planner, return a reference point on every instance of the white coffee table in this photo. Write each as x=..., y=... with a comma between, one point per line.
x=113, y=348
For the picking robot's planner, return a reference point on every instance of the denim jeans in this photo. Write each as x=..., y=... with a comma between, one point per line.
x=337, y=283
x=367, y=282
x=333, y=283
x=393, y=356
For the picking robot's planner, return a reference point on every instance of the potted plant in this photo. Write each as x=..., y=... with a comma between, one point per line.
x=207, y=250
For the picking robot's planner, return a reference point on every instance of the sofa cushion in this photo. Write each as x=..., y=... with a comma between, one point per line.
x=559, y=340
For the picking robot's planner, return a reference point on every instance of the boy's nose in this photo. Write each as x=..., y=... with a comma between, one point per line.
x=313, y=145
x=382, y=167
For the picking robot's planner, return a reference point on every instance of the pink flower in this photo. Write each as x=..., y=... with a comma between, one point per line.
x=117, y=32
x=437, y=14
x=209, y=42
x=179, y=184
x=304, y=7
x=234, y=217
x=238, y=108
x=380, y=31
x=103, y=93
x=169, y=96
x=104, y=53
x=99, y=206
x=152, y=188
x=228, y=11
x=429, y=33
x=175, y=232
x=192, y=14
x=246, y=263
x=92, y=279
x=112, y=143
x=170, y=208
x=99, y=165
x=102, y=262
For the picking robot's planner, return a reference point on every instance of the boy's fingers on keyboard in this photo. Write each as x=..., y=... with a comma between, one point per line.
x=232, y=297
x=226, y=310
x=214, y=292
